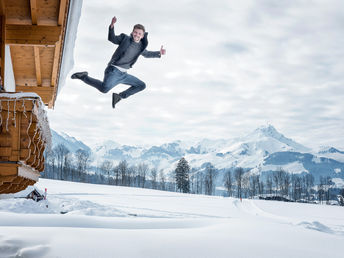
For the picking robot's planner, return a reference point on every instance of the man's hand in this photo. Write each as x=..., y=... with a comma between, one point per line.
x=113, y=21
x=162, y=51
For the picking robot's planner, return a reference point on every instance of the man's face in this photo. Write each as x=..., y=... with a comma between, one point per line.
x=137, y=35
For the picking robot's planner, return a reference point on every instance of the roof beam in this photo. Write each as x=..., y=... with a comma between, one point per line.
x=32, y=35
x=55, y=63
x=33, y=5
x=62, y=10
x=54, y=74
x=37, y=65
x=46, y=93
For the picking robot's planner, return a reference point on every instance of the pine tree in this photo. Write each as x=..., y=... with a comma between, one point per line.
x=182, y=176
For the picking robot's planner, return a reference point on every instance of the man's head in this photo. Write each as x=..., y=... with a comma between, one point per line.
x=138, y=32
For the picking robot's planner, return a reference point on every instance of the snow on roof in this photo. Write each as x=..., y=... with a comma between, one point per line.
x=20, y=95
x=67, y=62
x=27, y=191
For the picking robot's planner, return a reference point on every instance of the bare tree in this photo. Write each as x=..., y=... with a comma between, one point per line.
x=309, y=178
x=135, y=176
x=269, y=185
x=162, y=180
x=328, y=183
x=142, y=172
x=199, y=182
x=131, y=175
x=192, y=180
x=154, y=176
x=254, y=185
x=61, y=154
x=296, y=183
x=261, y=188
x=83, y=159
x=245, y=184
x=116, y=173
x=106, y=167
x=228, y=182
x=123, y=170
x=49, y=171
x=276, y=179
x=68, y=167
x=238, y=174
x=284, y=181
x=209, y=179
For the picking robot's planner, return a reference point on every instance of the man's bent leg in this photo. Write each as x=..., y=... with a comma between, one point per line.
x=135, y=83
x=93, y=82
x=112, y=77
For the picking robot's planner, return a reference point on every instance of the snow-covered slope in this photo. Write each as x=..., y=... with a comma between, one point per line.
x=83, y=220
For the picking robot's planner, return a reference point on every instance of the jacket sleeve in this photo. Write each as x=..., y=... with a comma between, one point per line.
x=113, y=38
x=151, y=54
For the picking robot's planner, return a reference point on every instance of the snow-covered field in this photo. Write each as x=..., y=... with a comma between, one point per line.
x=109, y=221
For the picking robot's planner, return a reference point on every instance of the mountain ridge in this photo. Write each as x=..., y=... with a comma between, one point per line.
x=264, y=149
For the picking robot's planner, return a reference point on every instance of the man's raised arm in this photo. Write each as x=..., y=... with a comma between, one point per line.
x=111, y=36
x=150, y=54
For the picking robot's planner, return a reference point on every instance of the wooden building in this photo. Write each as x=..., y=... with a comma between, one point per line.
x=32, y=43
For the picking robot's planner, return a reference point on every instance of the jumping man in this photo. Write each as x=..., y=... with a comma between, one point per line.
x=128, y=50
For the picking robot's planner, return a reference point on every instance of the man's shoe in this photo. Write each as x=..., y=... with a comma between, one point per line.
x=79, y=75
x=115, y=99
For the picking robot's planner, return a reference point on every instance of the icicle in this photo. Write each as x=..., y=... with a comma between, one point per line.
x=0, y=113
x=41, y=144
x=24, y=109
x=30, y=122
x=8, y=114
x=30, y=140
x=14, y=112
x=36, y=130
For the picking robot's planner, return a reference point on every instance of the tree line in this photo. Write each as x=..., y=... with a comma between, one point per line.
x=292, y=187
x=242, y=184
x=61, y=164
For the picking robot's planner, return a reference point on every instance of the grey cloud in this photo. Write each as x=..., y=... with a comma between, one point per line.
x=230, y=67
x=235, y=47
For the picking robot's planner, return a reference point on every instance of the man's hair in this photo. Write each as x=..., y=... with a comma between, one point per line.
x=140, y=27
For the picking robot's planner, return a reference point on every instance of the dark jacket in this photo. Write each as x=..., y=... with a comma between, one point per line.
x=124, y=41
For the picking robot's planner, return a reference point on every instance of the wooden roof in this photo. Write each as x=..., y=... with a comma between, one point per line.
x=34, y=30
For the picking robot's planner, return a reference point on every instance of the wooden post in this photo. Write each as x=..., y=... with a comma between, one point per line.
x=2, y=47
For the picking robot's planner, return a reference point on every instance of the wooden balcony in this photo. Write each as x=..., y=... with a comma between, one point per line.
x=24, y=135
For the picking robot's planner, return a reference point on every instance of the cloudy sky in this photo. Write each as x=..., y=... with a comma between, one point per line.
x=230, y=67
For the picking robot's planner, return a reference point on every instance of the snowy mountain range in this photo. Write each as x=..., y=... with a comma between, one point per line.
x=69, y=142
x=263, y=150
